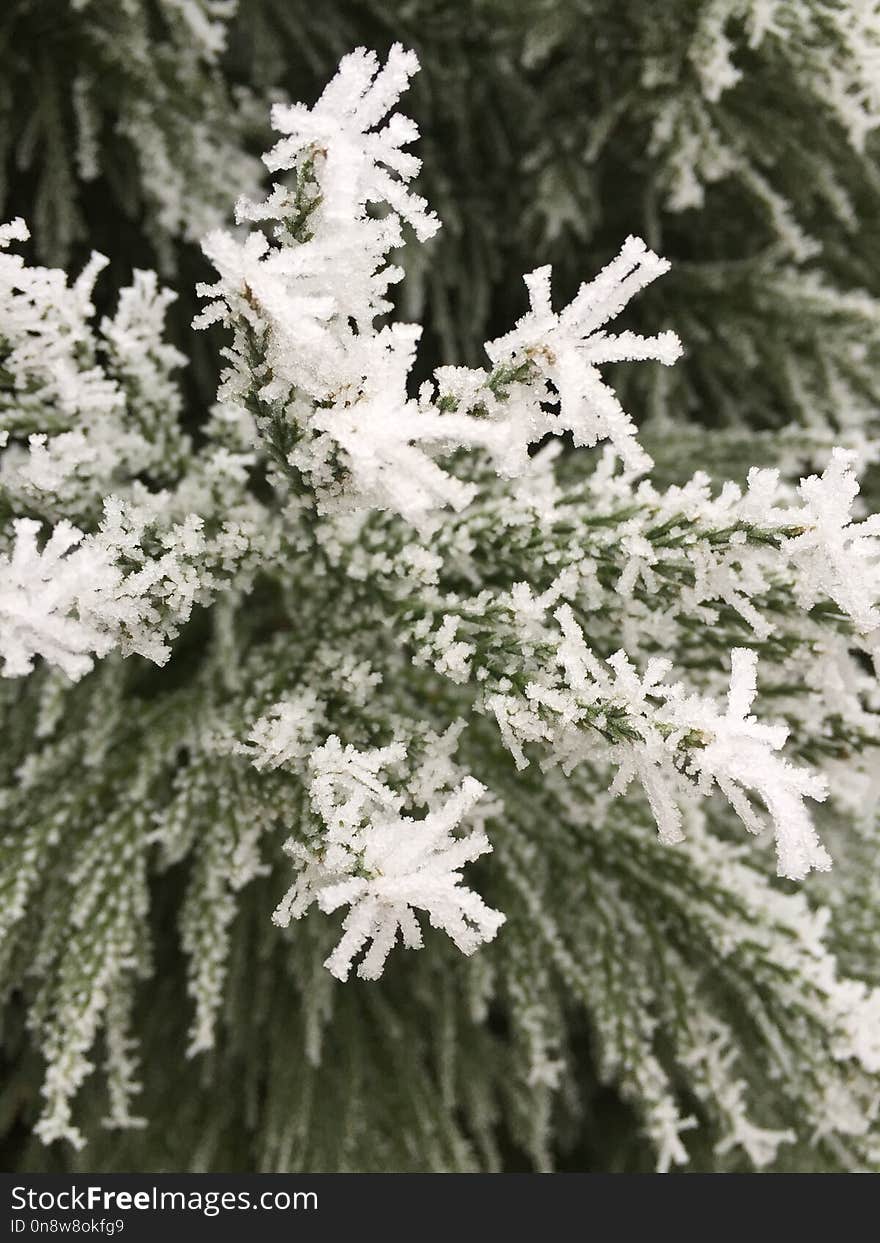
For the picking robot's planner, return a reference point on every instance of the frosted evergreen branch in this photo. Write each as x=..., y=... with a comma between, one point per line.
x=378, y=605
x=329, y=389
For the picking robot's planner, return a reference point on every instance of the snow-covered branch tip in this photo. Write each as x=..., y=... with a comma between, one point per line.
x=331, y=390
x=676, y=744
x=383, y=865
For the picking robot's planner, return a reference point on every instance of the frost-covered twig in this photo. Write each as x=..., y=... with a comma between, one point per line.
x=330, y=389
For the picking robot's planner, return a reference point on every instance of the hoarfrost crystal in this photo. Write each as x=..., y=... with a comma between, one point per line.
x=383, y=866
